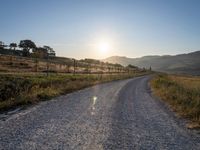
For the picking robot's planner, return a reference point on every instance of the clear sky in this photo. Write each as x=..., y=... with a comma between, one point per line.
x=80, y=28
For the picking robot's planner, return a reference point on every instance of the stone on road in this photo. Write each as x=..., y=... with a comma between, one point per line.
x=117, y=115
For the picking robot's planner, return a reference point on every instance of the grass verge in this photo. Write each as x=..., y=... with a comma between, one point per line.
x=182, y=93
x=23, y=89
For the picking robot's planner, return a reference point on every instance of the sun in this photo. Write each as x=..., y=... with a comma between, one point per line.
x=103, y=47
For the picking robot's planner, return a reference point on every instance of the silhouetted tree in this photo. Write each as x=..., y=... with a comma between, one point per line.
x=90, y=61
x=40, y=52
x=132, y=66
x=13, y=45
x=27, y=45
x=2, y=45
x=50, y=51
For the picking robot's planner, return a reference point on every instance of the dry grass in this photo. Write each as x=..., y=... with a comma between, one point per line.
x=23, y=89
x=182, y=93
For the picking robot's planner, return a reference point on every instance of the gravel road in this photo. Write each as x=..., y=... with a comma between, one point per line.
x=117, y=115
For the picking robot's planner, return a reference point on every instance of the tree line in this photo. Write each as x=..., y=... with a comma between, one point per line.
x=27, y=48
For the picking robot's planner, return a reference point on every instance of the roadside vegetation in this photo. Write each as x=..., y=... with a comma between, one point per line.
x=29, y=73
x=182, y=93
x=23, y=89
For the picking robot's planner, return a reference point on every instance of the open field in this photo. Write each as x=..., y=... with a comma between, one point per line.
x=182, y=93
x=26, y=88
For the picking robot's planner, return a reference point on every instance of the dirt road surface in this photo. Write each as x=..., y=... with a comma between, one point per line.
x=117, y=115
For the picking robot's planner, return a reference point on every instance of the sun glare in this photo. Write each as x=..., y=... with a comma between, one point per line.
x=103, y=47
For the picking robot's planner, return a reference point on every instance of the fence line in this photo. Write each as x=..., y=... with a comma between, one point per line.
x=18, y=63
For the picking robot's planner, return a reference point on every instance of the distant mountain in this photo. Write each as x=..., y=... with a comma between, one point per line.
x=183, y=63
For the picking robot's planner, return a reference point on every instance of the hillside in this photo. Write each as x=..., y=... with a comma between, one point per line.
x=182, y=63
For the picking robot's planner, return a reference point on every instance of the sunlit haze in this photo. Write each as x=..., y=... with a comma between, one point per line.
x=102, y=28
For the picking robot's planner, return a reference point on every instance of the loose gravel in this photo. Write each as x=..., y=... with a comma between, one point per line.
x=117, y=115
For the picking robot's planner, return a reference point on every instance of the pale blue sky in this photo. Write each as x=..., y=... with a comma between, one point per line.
x=132, y=28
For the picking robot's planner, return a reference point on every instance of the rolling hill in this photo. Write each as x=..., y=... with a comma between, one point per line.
x=182, y=63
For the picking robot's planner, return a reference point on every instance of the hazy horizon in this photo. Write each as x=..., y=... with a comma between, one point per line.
x=100, y=29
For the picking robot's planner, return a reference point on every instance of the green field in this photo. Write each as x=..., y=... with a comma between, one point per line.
x=182, y=93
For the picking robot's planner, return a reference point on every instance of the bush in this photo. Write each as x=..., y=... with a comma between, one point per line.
x=13, y=87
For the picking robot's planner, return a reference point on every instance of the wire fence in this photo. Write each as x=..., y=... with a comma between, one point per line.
x=10, y=63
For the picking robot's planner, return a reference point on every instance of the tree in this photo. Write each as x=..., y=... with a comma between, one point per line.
x=2, y=45
x=132, y=66
x=27, y=45
x=13, y=45
x=90, y=61
x=40, y=52
x=50, y=50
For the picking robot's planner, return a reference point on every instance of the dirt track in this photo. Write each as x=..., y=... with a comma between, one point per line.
x=115, y=115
